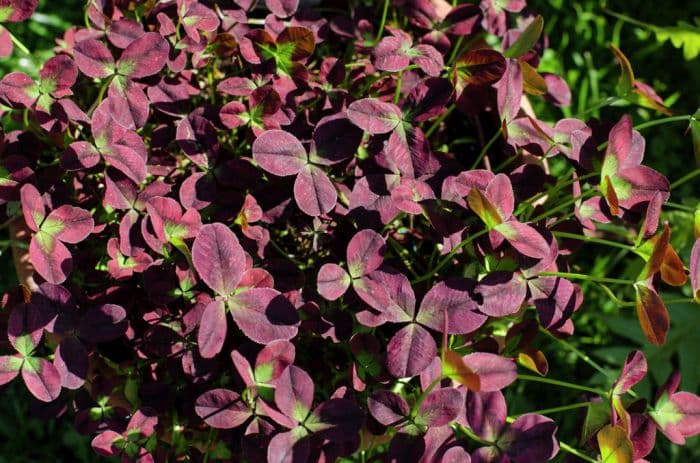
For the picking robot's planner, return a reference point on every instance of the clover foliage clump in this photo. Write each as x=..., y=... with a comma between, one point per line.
x=296, y=231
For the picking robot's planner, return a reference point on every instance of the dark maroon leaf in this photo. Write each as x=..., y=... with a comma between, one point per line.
x=71, y=362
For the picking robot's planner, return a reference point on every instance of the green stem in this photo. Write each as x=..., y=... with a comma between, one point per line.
x=423, y=395
x=647, y=124
x=601, y=104
x=569, y=449
x=18, y=43
x=563, y=408
x=101, y=94
x=397, y=92
x=685, y=178
x=563, y=206
x=486, y=148
x=381, y=23
x=619, y=302
x=580, y=354
x=439, y=120
x=581, y=276
x=555, y=189
x=404, y=255
x=448, y=258
x=555, y=382
x=680, y=207
x=286, y=254
x=470, y=434
x=455, y=50
x=627, y=19
x=591, y=239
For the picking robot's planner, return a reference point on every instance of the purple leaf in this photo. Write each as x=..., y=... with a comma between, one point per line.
x=387, y=407
x=634, y=370
x=391, y=54
x=42, y=378
x=530, y=438
x=212, y=329
x=451, y=297
x=10, y=366
x=19, y=90
x=486, y=413
x=502, y=293
x=455, y=455
x=218, y=258
x=264, y=315
x=102, y=443
x=279, y=153
x=80, y=155
x=365, y=252
x=94, y=59
x=500, y=192
x=374, y=116
x=58, y=75
x=51, y=258
x=524, y=238
x=273, y=360
x=32, y=206
x=289, y=447
x=282, y=8
x=509, y=91
x=144, y=56
x=495, y=372
x=126, y=160
x=428, y=59
x=677, y=416
x=221, y=409
x=410, y=351
x=123, y=32
x=389, y=292
x=294, y=393
x=332, y=281
x=77, y=223
x=314, y=192
x=12, y=11
x=440, y=407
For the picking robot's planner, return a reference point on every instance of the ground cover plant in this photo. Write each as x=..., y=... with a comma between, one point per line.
x=283, y=231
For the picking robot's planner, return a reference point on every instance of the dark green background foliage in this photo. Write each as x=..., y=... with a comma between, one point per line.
x=579, y=33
